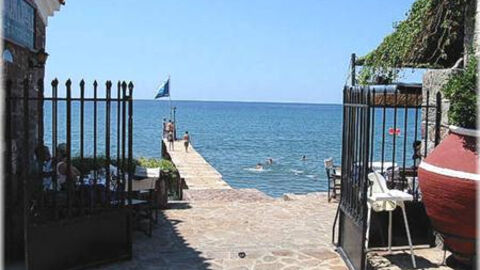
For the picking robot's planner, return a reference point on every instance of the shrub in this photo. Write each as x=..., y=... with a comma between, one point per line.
x=163, y=164
x=461, y=90
x=86, y=164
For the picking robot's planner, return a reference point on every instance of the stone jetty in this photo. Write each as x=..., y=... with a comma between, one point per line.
x=196, y=171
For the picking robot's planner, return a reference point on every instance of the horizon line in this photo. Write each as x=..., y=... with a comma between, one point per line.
x=247, y=101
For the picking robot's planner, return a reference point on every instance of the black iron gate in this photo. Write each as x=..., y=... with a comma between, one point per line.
x=387, y=129
x=63, y=178
x=355, y=158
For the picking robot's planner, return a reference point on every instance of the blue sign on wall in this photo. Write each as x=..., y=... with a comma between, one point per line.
x=19, y=22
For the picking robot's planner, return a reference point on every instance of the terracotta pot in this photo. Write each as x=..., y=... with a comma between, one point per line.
x=448, y=180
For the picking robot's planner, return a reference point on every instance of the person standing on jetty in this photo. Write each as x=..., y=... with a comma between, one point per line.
x=164, y=135
x=169, y=126
x=186, y=138
x=170, y=140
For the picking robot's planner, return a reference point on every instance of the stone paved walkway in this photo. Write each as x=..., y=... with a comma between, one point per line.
x=272, y=234
x=245, y=229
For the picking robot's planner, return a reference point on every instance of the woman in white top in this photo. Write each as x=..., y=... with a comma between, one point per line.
x=61, y=168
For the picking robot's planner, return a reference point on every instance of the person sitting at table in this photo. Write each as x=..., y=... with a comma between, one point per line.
x=417, y=152
x=62, y=167
x=45, y=161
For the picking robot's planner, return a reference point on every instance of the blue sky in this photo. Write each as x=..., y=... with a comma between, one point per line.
x=236, y=50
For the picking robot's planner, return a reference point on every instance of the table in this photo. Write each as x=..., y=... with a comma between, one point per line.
x=143, y=184
x=377, y=165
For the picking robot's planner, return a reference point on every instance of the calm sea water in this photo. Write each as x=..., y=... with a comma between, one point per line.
x=235, y=136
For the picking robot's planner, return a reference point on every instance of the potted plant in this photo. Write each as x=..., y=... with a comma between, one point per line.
x=148, y=167
x=448, y=176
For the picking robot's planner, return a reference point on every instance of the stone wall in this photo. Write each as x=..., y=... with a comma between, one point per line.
x=433, y=81
x=18, y=71
x=471, y=31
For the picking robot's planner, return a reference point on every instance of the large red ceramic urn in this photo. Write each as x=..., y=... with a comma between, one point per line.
x=448, y=182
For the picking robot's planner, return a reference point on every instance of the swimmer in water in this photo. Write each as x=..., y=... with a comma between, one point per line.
x=269, y=161
x=304, y=158
x=259, y=166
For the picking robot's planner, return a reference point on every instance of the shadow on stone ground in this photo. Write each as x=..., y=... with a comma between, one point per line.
x=426, y=259
x=403, y=261
x=166, y=249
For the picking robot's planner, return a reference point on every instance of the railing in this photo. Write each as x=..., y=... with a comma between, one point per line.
x=383, y=131
x=55, y=121
x=399, y=138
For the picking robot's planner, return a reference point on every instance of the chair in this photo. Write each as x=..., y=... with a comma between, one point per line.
x=380, y=198
x=142, y=210
x=143, y=203
x=334, y=178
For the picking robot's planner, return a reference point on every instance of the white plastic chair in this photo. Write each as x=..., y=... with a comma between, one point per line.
x=380, y=198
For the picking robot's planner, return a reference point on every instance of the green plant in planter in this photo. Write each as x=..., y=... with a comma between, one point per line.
x=87, y=164
x=461, y=90
x=163, y=164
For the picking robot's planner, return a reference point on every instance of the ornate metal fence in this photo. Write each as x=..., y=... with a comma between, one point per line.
x=61, y=181
x=383, y=131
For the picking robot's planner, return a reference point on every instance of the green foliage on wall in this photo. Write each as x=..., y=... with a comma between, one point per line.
x=392, y=51
x=461, y=90
x=430, y=37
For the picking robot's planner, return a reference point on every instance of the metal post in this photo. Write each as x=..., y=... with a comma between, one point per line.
x=394, y=146
x=427, y=114
x=54, y=145
x=40, y=143
x=438, y=118
x=130, y=141
x=353, y=65
x=107, y=140
x=40, y=111
x=415, y=165
x=69, y=182
x=95, y=85
x=118, y=134
x=405, y=129
x=82, y=108
x=384, y=119
x=124, y=132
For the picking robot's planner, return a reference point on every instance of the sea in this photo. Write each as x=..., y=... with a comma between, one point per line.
x=234, y=137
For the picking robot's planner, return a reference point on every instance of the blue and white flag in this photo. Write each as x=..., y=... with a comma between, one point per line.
x=164, y=90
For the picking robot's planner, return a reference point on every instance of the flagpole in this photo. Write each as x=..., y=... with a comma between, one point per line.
x=169, y=96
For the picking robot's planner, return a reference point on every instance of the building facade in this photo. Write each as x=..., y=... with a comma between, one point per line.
x=23, y=60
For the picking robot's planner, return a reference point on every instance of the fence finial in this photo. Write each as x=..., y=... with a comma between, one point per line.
x=55, y=82
x=108, y=84
x=82, y=83
x=130, y=86
x=68, y=83
x=95, y=84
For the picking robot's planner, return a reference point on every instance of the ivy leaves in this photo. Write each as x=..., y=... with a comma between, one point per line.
x=461, y=91
x=430, y=37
